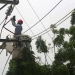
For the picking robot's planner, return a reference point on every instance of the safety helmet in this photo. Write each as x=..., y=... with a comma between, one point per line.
x=20, y=21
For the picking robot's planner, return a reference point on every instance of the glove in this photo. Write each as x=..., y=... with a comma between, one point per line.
x=13, y=18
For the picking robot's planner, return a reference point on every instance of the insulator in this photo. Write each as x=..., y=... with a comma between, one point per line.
x=9, y=10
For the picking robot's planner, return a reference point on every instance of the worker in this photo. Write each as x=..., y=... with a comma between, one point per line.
x=18, y=26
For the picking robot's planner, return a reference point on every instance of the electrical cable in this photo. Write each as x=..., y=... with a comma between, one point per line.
x=2, y=28
x=48, y=30
x=3, y=6
x=7, y=14
x=23, y=19
x=6, y=28
x=6, y=64
x=1, y=51
x=0, y=34
x=9, y=30
x=43, y=16
x=2, y=21
x=65, y=16
x=49, y=57
x=63, y=20
x=56, y=22
x=38, y=17
x=45, y=59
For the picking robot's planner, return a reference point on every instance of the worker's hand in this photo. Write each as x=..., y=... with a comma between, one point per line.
x=13, y=18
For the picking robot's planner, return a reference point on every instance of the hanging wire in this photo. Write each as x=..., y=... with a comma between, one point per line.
x=2, y=28
x=1, y=33
x=24, y=19
x=7, y=14
x=1, y=51
x=56, y=23
x=48, y=30
x=6, y=64
x=2, y=21
x=38, y=17
x=49, y=58
x=3, y=6
x=43, y=16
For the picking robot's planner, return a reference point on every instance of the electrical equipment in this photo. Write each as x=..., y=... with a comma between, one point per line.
x=15, y=2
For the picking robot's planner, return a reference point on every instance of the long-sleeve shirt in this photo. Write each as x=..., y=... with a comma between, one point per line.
x=18, y=28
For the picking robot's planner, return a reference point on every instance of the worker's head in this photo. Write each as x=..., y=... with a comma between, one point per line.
x=20, y=21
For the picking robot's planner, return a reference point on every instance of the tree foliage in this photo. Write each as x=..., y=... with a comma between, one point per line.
x=73, y=18
x=64, y=63
x=26, y=65
x=41, y=45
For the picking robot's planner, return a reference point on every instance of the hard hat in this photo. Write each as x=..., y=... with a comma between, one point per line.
x=20, y=21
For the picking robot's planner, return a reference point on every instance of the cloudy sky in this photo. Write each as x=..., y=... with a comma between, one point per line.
x=24, y=11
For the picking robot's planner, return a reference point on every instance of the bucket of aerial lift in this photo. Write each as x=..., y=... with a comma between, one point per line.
x=17, y=51
x=15, y=2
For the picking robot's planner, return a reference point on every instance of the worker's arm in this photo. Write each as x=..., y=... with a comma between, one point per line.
x=13, y=23
x=13, y=19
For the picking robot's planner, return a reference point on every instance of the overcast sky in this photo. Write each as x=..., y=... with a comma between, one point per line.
x=41, y=7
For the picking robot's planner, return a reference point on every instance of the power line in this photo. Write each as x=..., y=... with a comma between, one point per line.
x=43, y=16
x=63, y=20
x=6, y=64
x=24, y=19
x=2, y=21
x=1, y=51
x=65, y=16
x=2, y=28
x=1, y=32
x=49, y=58
x=8, y=13
x=56, y=23
x=38, y=17
x=48, y=30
